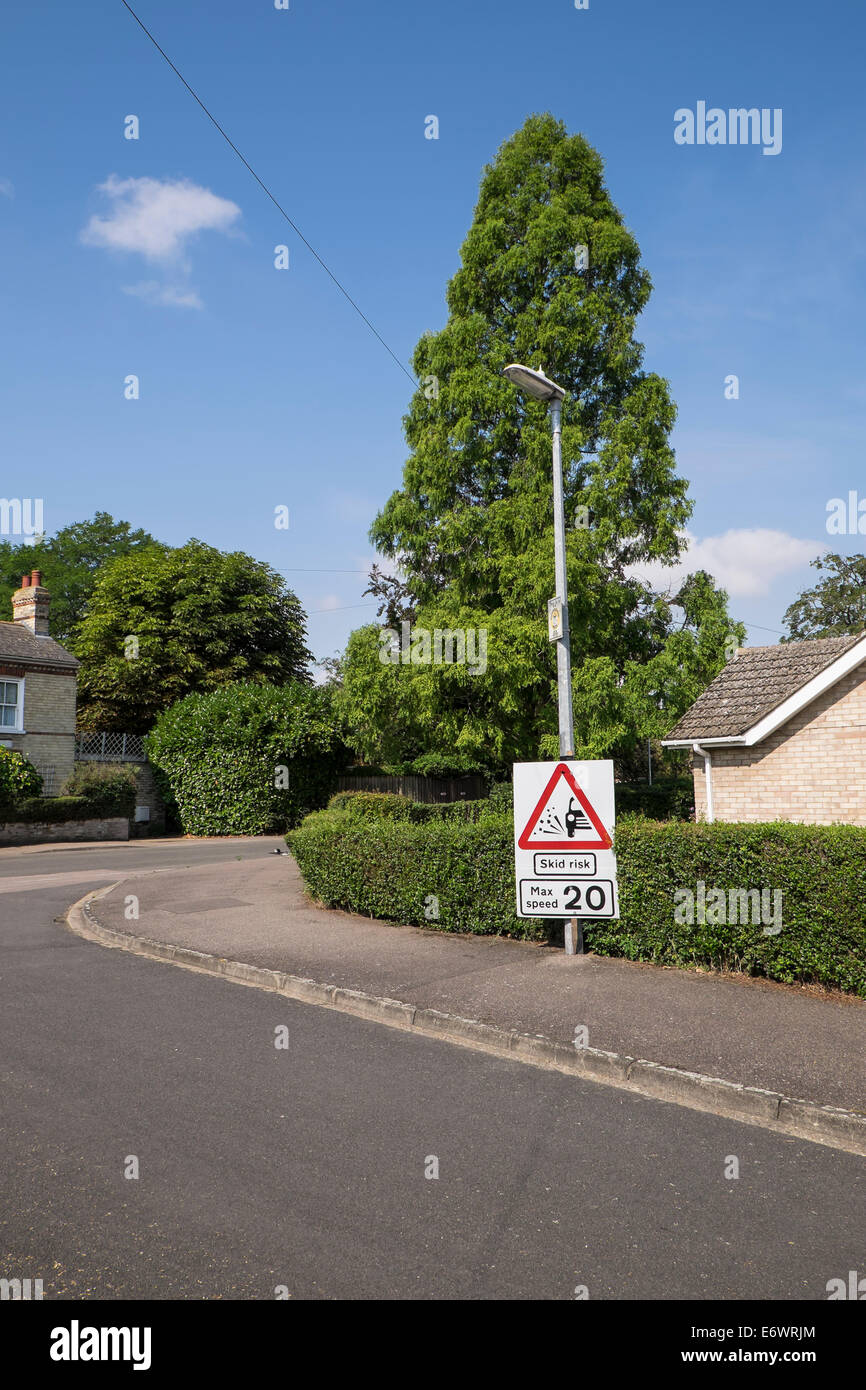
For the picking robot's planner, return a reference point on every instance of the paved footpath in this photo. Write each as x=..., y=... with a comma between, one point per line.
x=797, y=1042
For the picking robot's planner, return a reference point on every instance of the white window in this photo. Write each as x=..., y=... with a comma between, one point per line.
x=11, y=704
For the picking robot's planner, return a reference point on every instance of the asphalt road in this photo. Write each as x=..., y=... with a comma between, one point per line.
x=305, y=1167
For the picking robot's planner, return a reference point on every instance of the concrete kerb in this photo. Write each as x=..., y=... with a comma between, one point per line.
x=800, y=1119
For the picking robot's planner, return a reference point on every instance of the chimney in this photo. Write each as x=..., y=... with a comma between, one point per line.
x=30, y=604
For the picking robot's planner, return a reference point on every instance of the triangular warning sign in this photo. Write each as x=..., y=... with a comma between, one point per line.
x=564, y=818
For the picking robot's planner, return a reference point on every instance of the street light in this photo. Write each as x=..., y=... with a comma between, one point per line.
x=539, y=386
x=533, y=383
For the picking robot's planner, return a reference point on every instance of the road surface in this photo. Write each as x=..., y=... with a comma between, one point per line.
x=304, y=1169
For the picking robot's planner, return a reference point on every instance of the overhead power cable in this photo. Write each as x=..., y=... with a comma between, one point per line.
x=340, y=610
x=295, y=228
x=759, y=628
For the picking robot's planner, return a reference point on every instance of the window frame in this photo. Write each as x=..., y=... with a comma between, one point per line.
x=18, y=728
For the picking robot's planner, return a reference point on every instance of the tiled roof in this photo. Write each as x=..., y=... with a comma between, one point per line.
x=18, y=643
x=754, y=683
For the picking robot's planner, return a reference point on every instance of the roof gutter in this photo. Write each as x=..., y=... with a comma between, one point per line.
x=708, y=776
x=730, y=741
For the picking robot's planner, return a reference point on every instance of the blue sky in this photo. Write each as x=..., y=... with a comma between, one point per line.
x=261, y=388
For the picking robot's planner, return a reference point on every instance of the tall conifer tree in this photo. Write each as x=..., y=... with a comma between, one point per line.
x=550, y=276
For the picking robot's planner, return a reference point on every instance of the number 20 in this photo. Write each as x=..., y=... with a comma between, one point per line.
x=594, y=889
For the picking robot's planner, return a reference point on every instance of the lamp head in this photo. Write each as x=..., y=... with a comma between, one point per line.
x=533, y=383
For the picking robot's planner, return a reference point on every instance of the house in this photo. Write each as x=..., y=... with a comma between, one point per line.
x=780, y=734
x=38, y=680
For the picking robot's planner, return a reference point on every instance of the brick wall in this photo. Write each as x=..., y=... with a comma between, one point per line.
x=49, y=723
x=812, y=769
x=147, y=795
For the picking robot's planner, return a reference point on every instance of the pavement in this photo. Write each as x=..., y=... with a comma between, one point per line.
x=799, y=1043
x=357, y=1162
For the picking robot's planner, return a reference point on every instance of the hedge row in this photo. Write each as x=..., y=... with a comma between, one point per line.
x=108, y=788
x=55, y=810
x=93, y=791
x=366, y=806
x=402, y=871
x=445, y=874
x=819, y=870
x=669, y=800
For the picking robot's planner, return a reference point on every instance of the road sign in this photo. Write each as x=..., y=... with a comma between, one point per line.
x=554, y=619
x=564, y=820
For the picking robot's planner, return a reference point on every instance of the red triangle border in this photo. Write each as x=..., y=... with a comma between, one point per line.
x=605, y=842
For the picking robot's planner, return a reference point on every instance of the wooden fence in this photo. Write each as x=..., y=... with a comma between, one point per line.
x=419, y=788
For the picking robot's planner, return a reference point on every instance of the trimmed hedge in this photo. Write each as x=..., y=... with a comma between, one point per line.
x=227, y=756
x=390, y=868
x=501, y=798
x=53, y=810
x=372, y=806
x=820, y=871
x=108, y=788
x=94, y=791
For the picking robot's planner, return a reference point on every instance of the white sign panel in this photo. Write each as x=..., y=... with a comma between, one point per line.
x=564, y=819
x=554, y=619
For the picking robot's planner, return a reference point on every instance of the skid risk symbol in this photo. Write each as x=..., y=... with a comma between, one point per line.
x=564, y=818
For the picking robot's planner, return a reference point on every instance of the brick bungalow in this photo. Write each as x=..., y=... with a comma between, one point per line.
x=780, y=734
x=38, y=681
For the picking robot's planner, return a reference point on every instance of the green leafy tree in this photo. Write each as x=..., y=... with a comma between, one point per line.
x=395, y=603
x=503, y=710
x=69, y=562
x=835, y=606
x=162, y=624
x=549, y=276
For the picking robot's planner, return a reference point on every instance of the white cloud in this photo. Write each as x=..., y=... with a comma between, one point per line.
x=153, y=292
x=157, y=218
x=7, y=188
x=745, y=562
x=329, y=602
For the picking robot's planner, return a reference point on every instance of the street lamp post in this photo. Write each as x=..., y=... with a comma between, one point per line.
x=539, y=386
